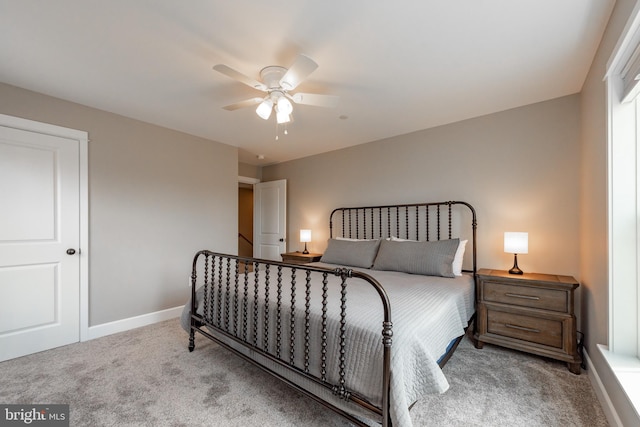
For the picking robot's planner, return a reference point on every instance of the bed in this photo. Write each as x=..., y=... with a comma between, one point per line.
x=327, y=329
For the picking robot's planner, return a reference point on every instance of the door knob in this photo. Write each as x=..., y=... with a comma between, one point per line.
x=282, y=240
x=71, y=251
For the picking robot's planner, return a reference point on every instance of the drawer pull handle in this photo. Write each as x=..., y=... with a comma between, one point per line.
x=522, y=296
x=522, y=328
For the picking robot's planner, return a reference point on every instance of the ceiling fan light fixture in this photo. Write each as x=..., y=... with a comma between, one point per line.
x=284, y=106
x=282, y=117
x=264, y=109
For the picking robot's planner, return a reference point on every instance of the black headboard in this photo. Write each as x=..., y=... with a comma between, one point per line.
x=415, y=221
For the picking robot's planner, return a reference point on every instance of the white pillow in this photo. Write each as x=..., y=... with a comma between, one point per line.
x=457, y=259
x=398, y=239
x=353, y=240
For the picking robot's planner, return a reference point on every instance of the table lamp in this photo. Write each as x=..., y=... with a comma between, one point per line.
x=516, y=243
x=305, y=236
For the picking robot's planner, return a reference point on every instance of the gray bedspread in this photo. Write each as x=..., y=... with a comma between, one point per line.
x=427, y=314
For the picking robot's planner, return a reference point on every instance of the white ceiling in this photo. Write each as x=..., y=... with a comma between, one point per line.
x=397, y=66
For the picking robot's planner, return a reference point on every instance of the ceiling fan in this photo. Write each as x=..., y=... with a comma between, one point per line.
x=277, y=82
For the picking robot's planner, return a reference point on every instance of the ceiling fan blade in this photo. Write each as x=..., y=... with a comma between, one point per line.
x=315, y=99
x=237, y=75
x=301, y=68
x=243, y=104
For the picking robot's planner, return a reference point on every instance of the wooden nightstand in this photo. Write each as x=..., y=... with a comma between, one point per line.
x=530, y=312
x=300, y=258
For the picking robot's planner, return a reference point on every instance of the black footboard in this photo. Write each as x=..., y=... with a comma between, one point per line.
x=285, y=319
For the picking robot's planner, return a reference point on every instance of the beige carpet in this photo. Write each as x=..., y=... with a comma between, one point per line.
x=147, y=377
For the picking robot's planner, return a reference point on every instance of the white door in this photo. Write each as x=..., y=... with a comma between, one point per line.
x=39, y=230
x=269, y=219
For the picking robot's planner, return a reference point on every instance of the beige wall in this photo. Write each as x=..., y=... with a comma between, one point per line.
x=156, y=196
x=250, y=171
x=593, y=226
x=518, y=168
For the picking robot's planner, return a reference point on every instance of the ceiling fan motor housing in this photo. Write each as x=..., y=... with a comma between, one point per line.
x=271, y=77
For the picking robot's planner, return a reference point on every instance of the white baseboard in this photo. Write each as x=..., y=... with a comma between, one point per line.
x=131, y=323
x=607, y=406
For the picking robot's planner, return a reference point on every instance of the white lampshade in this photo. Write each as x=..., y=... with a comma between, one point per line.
x=282, y=118
x=305, y=235
x=516, y=242
x=284, y=106
x=264, y=109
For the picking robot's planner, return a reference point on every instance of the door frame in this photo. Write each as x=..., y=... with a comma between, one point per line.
x=83, y=142
x=247, y=180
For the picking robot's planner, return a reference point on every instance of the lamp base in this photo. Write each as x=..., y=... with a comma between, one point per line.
x=305, y=249
x=515, y=269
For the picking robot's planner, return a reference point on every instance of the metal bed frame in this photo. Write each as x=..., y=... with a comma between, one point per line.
x=231, y=314
x=413, y=221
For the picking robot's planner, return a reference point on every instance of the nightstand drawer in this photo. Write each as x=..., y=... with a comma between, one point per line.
x=526, y=296
x=528, y=328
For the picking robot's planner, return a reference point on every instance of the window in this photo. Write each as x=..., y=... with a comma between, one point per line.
x=623, y=87
x=623, y=84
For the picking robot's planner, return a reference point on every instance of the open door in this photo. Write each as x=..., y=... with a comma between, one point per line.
x=269, y=219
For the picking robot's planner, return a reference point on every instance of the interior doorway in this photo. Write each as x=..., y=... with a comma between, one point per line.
x=245, y=219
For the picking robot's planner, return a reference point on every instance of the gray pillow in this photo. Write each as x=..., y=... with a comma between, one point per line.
x=351, y=253
x=428, y=258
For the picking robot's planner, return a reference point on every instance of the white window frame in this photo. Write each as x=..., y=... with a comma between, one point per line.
x=623, y=350
x=623, y=225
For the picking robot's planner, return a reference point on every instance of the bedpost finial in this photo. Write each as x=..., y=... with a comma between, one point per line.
x=387, y=333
